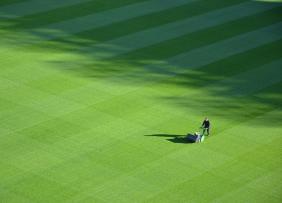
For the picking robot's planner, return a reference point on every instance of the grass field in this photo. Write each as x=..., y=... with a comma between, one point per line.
x=96, y=96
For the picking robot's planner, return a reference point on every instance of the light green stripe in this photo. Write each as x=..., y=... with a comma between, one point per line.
x=84, y=23
x=159, y=34
x=34, y=6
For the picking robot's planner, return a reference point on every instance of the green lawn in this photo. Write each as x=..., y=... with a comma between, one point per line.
x=96, y=96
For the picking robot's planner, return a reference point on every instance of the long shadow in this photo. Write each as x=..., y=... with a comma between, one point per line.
x=181, y=139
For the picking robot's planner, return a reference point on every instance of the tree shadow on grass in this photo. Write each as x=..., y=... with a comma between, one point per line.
x=95, y=56
x=180, y=139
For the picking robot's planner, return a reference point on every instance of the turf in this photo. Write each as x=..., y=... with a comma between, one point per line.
x=96, y=97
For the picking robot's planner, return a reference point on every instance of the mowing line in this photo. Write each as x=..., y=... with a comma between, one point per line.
x=223, y=49
x=205, y=55
x=255, y=38
x=143, y=38
x=247, y=83
x=162, y=33
x=234, y=45
x=84, y=23
x=34, y=6
x=253, y=80
x=208, y=54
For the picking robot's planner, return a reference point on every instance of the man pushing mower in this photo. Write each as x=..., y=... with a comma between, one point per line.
x=206, y=126
x=197, y=136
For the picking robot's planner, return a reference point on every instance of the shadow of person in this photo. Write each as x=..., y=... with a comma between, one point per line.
x=173, y=138
x=164, y=135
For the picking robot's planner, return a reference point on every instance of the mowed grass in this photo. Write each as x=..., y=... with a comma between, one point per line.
x=96, y=97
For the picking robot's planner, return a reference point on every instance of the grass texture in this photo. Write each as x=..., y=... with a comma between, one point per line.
x=96, y=96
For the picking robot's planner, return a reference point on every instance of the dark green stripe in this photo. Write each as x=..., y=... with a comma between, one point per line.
x=67, y=13
x=8, y=2
x=274, y=100
x=248, y=60
x=230, y=66
x=241, y=109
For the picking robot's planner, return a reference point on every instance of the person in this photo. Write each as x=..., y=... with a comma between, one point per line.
x=206, y=126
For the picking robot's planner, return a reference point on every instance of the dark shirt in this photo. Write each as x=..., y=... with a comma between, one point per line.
x=206, y=124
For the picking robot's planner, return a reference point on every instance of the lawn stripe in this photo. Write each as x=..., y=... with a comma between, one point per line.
x=244, y=193
x=247, y=85
x=202, y=56
x=268, y=30
x=217, y=104
x=249, y=147
x=84, y=23
x=186, y=100
x=270, y=51
x=32, y=108
x=192, y=80
x=253, y=80
x=252, y=88
x=59, y=148
x=171, y=157
x=194, y=37
x=136, y=24
x=264, y=68
x=208, y=79
x=215, y=49
x=185, y=43
x=64, y=13
x=223, y=49
x=224, y=171
x=259, y=184
x=34, y=6
x=159, y=34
